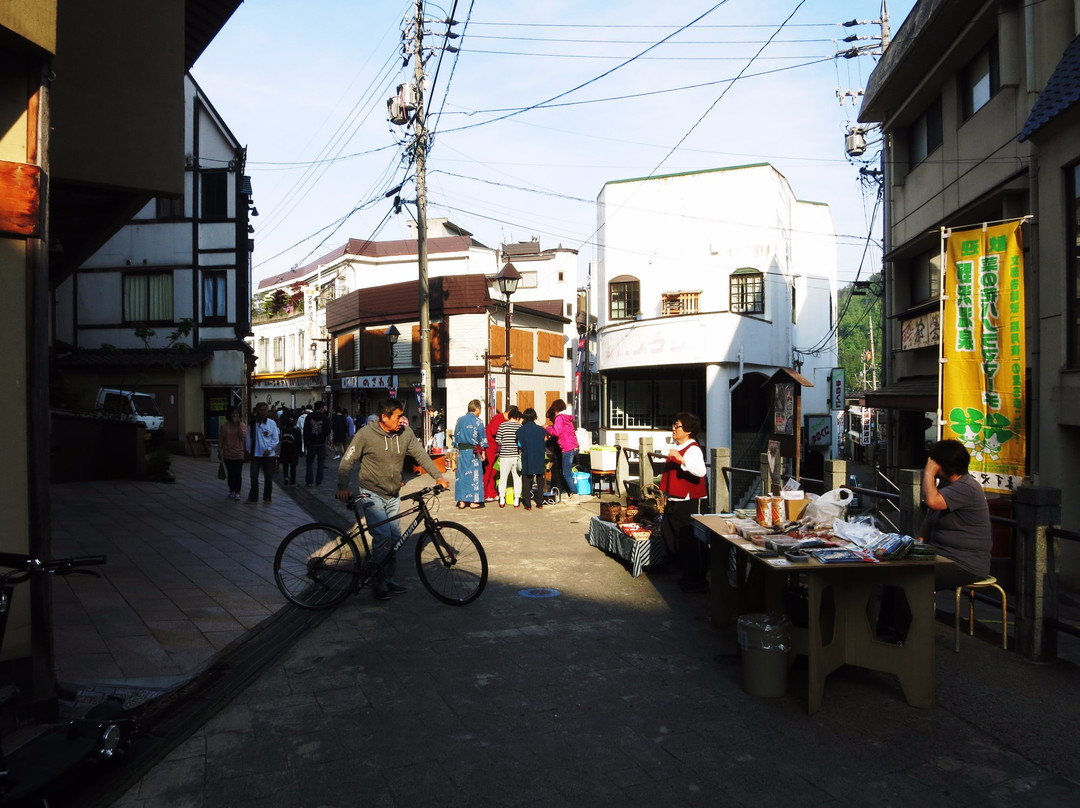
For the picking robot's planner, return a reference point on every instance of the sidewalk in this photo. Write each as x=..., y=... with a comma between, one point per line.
x=613, y=691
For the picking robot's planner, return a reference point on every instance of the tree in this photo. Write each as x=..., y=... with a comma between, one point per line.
x=861, y=311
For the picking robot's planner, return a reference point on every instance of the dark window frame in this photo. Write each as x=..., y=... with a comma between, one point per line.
x=624, y=297
x=746, y=291
x=927, y=132
x=656, y=400
x=219, y=296
x=1072, y=261
x=975, y=74
x=138, y=308
x=214, y=195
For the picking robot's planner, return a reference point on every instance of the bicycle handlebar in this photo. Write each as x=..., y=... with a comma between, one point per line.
x=414, y=496
x=61, y=566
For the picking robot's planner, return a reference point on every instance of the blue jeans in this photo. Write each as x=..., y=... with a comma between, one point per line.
x=383, y=538
x=315, y=454
x=568, y=458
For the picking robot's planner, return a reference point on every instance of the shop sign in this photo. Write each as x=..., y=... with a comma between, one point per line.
x=867, y=436
x=819, y=430
x=382, y=382
x=837, y=390
x=920, y=332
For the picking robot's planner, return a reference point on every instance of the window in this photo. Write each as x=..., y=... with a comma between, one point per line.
x=925, y=278
x=170, y=208
x=1072, y=223
x=980, y=80
x=214, y=296
x=747, y=291
x=625, y=297
x=279, y=354
x=214, y=194
x=925, y=134
x=650, y=403
x=680, y=302
x=148, y=298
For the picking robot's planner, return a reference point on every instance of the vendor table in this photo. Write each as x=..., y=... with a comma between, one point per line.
x=638, y=552
x=839, y=630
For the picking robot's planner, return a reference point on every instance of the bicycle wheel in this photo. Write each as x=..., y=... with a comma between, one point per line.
x=315, y=566
x=451, y=563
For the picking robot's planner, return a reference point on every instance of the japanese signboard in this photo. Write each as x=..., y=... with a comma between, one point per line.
x=866, y=436
x=837, y=391
x=383, y=382
x=784, y=408
x=818, y=430
x=921, y=331
x=983, y=348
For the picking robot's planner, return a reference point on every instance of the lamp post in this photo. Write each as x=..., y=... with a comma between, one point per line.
x=507, y=279
x=392, y=335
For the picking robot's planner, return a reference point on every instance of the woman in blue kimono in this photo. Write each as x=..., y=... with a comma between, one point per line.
x=470, y=442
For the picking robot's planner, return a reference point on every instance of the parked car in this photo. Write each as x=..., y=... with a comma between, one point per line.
x=130, y=405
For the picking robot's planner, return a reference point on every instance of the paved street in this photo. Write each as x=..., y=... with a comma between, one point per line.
x=616, y=691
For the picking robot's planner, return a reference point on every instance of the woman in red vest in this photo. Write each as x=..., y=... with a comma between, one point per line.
x=683, y=480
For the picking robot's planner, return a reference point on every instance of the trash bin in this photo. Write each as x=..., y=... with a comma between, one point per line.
x=582, y=483
x=764, y=642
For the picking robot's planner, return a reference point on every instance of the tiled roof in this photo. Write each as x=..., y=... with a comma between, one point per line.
x=1060, y=92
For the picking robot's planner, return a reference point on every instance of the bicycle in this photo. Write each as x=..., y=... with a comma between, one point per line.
x=318, y=565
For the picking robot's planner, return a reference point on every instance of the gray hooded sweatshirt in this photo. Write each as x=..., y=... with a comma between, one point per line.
x=381, y=456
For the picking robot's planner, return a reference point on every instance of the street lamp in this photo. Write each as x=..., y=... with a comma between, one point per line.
x=392, y=335
x=507, y=279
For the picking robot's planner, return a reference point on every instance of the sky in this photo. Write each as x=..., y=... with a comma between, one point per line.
x=542, y=105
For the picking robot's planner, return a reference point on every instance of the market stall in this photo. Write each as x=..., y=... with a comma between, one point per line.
x=842, y=581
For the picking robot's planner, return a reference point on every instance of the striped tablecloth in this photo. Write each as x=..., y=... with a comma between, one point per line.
x=637, y=552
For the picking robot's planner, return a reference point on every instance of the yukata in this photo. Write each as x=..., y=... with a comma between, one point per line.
x=470, y=441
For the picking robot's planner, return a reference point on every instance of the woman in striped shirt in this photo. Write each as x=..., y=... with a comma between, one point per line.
x=508, y=455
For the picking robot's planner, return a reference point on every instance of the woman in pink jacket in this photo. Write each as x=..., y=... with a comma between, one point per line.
x=562, y=428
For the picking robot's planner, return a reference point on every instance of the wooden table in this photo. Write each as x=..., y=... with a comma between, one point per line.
x=839, y=630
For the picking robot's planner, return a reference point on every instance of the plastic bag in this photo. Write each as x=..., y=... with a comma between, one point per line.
x=859, y=533
x=829, y=506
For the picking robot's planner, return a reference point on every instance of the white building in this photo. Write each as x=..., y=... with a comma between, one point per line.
x=300, y=360
x=181, y=268
x=707, y=284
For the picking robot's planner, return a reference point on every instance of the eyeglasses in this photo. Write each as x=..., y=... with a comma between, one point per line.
x=676, y=426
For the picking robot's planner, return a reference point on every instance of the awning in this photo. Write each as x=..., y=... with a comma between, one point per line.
x=918, y=393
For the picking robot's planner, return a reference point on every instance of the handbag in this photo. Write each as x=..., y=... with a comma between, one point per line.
x=221, y=473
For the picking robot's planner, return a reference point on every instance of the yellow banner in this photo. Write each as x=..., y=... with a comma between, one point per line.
x=983, y=346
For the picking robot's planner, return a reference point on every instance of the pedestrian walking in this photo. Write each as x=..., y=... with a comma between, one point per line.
x=232, y=443
x=380, y=448
x=340, y=431
x=316, y=434
x=263, y=439
x=531, y=439
x=290, y=450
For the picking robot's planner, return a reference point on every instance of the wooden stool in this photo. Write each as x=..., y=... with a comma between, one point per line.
x=990, y=582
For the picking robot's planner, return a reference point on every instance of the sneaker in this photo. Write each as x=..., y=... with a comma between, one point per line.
x=395, y=588
x=266, y=501
x=539, y=507
x=529, y=507
x=251, y=501
x=381, y=592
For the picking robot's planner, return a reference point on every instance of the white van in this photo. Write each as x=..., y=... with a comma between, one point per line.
x=129, y=405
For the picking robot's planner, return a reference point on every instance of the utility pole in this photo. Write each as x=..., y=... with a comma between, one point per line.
x=421, y=224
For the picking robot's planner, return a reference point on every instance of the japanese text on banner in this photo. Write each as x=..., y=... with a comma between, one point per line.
x=983, y=346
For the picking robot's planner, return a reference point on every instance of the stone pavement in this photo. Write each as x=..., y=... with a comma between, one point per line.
x=615, y=691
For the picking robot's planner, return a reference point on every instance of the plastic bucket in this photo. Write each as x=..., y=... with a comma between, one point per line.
x=582, y=482
x=764, y=642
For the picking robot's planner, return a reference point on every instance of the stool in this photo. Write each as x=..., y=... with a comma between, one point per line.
x=990, y=582
x=599, y=478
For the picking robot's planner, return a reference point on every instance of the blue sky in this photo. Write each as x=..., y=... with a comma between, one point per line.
x=304, y=87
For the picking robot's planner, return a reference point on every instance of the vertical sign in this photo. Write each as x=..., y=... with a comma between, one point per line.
x=983, y=347
x=867, y=426
x=837, y=393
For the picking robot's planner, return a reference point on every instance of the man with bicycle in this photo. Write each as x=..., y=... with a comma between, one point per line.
x=380, y=447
